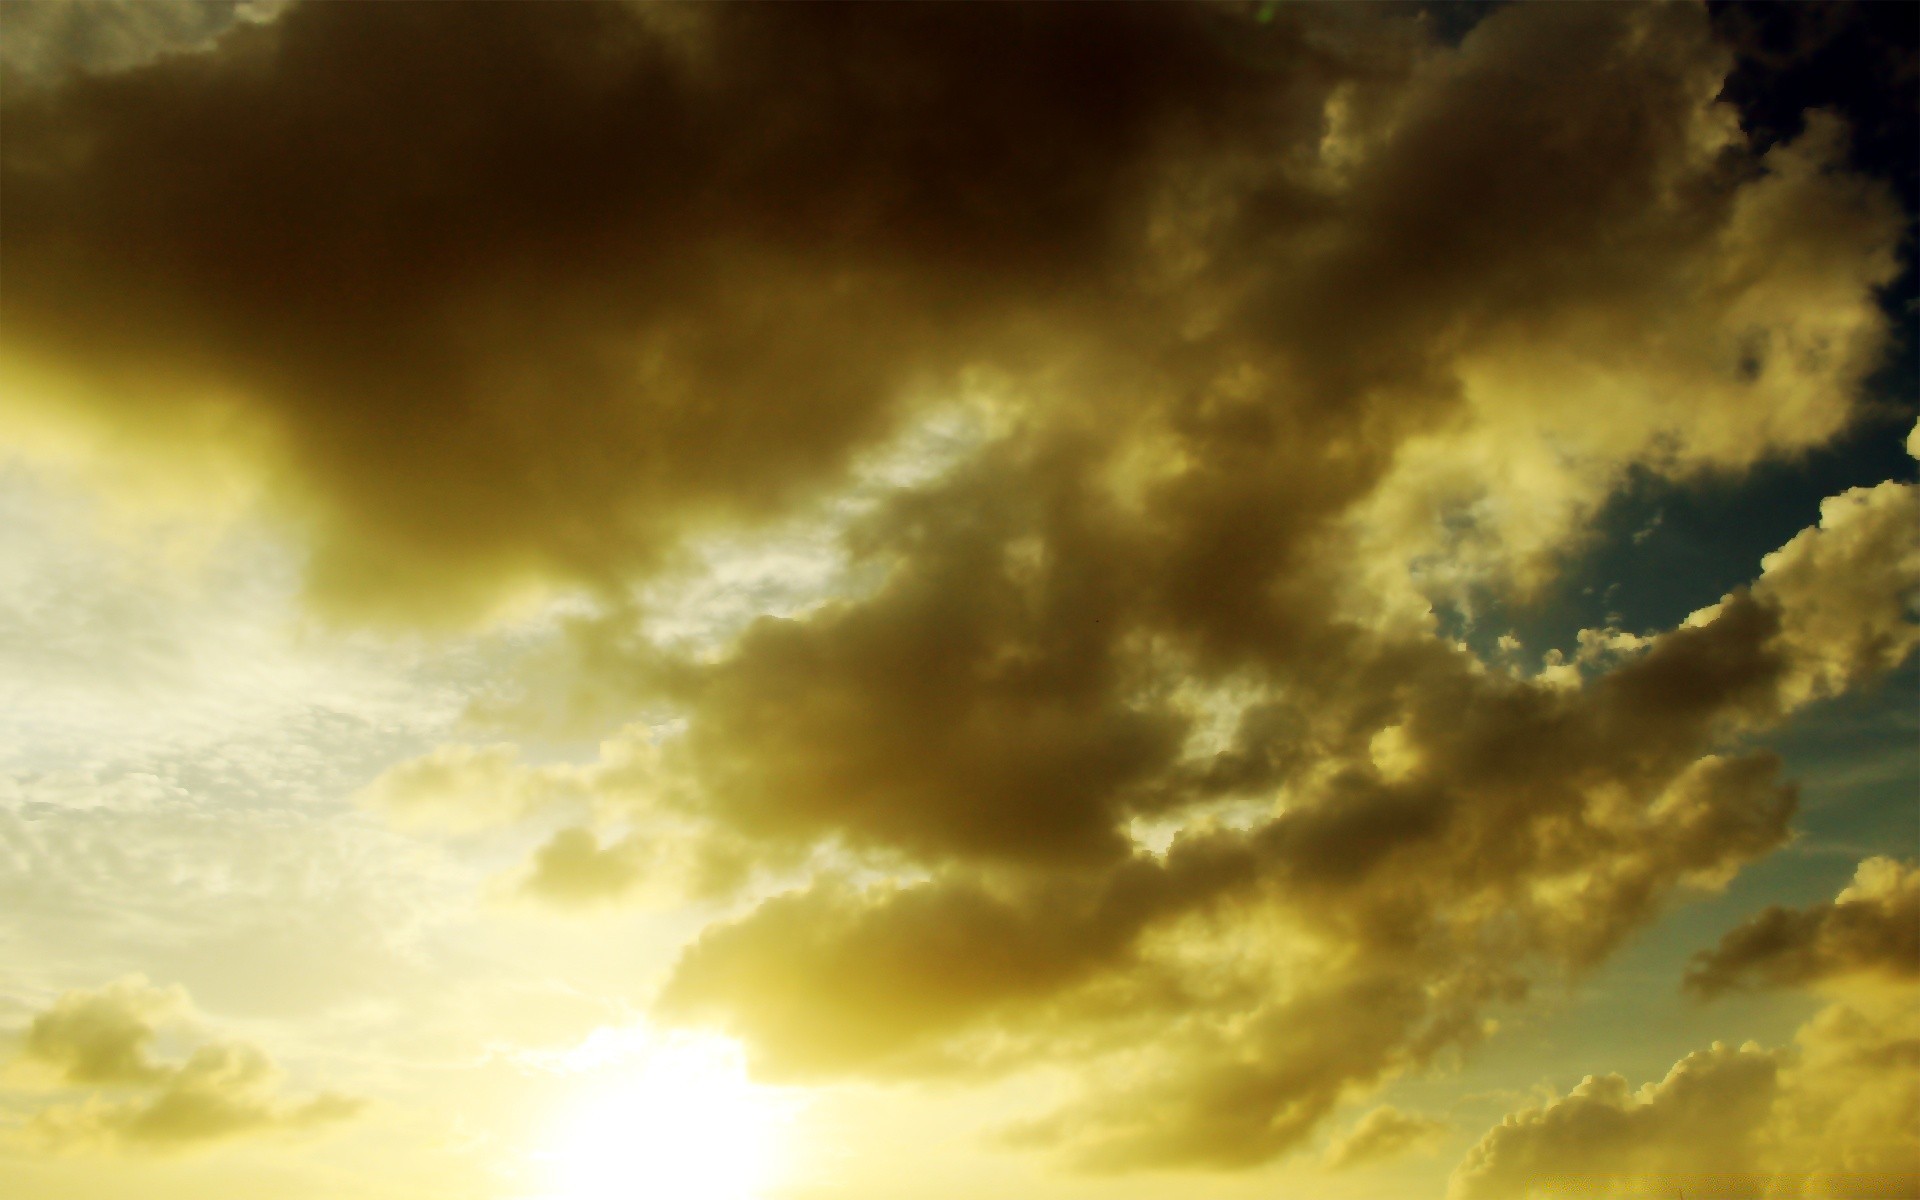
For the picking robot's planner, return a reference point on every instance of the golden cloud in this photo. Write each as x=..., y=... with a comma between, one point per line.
x=1384, y=904
x=102, y=1040
x=1129, y=739
x=1835, y=1114
x=1871, y=929
x=1382, y=1133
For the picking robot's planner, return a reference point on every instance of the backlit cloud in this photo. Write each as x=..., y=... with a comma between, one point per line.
x=1090, y=435
x=1837, y=1113
x=1460, y=831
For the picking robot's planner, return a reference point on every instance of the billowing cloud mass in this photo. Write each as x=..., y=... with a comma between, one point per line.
x=512, y=293
x=496, y=294
x=1871, y=928
x=103, y=1041
x=1836, y=1114
x=1451, y=831
x=1125, y=735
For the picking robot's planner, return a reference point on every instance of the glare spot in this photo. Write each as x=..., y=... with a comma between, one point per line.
x=683, y=1123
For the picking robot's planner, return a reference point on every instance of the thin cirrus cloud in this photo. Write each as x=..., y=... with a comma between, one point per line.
x=1125, y=737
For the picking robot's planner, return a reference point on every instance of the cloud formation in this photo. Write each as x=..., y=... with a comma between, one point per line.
x=496, y=296
x=104, y=1037
x=1448, y=832
x=1699, y=1123
x=518, y=294
x=102, y=1040
x=1128, y=738
x=1383, y=1133
x=1835, y=1114
x=1870, y=929
x=574, y=869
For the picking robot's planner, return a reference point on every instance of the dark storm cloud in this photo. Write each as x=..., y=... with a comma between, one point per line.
x=517, y=290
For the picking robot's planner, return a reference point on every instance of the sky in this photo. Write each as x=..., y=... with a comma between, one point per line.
x=817, y=602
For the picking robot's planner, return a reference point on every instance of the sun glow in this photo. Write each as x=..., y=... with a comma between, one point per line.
x=687, y=1124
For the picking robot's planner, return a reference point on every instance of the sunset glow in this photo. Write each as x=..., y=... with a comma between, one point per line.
x=942, y=600
x=685, y=1123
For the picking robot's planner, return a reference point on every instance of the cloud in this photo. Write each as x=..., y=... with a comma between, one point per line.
x=732, y=244
x=1127, y=738
x=221, y=1092
x=1383, y=1133
x=48, y=40
x=1871, y=929
x=461, y=786
x=1447, y=834
x=1835, y=1114
x=616, y=838
x=1237, y=236
x=573, y=868
x=1701, y=1120
x=102, y=1040
x=1847, y=590
x=103, y=1037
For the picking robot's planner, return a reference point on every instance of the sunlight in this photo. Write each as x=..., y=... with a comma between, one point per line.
x=686, y=1124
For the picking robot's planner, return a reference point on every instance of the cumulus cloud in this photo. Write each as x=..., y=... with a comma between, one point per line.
x=1129, y=739
x=739, y=251
x=1836, y=1114
x=573, y=868
x=1847, y=590
x=1872, y=928
x=1382, y=1134
x=732, y=242
x=103, y=1037
x=1444, y=833
x=611, y=836
x=460, y=786
x=102, y=1040
x=1700, y=1122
